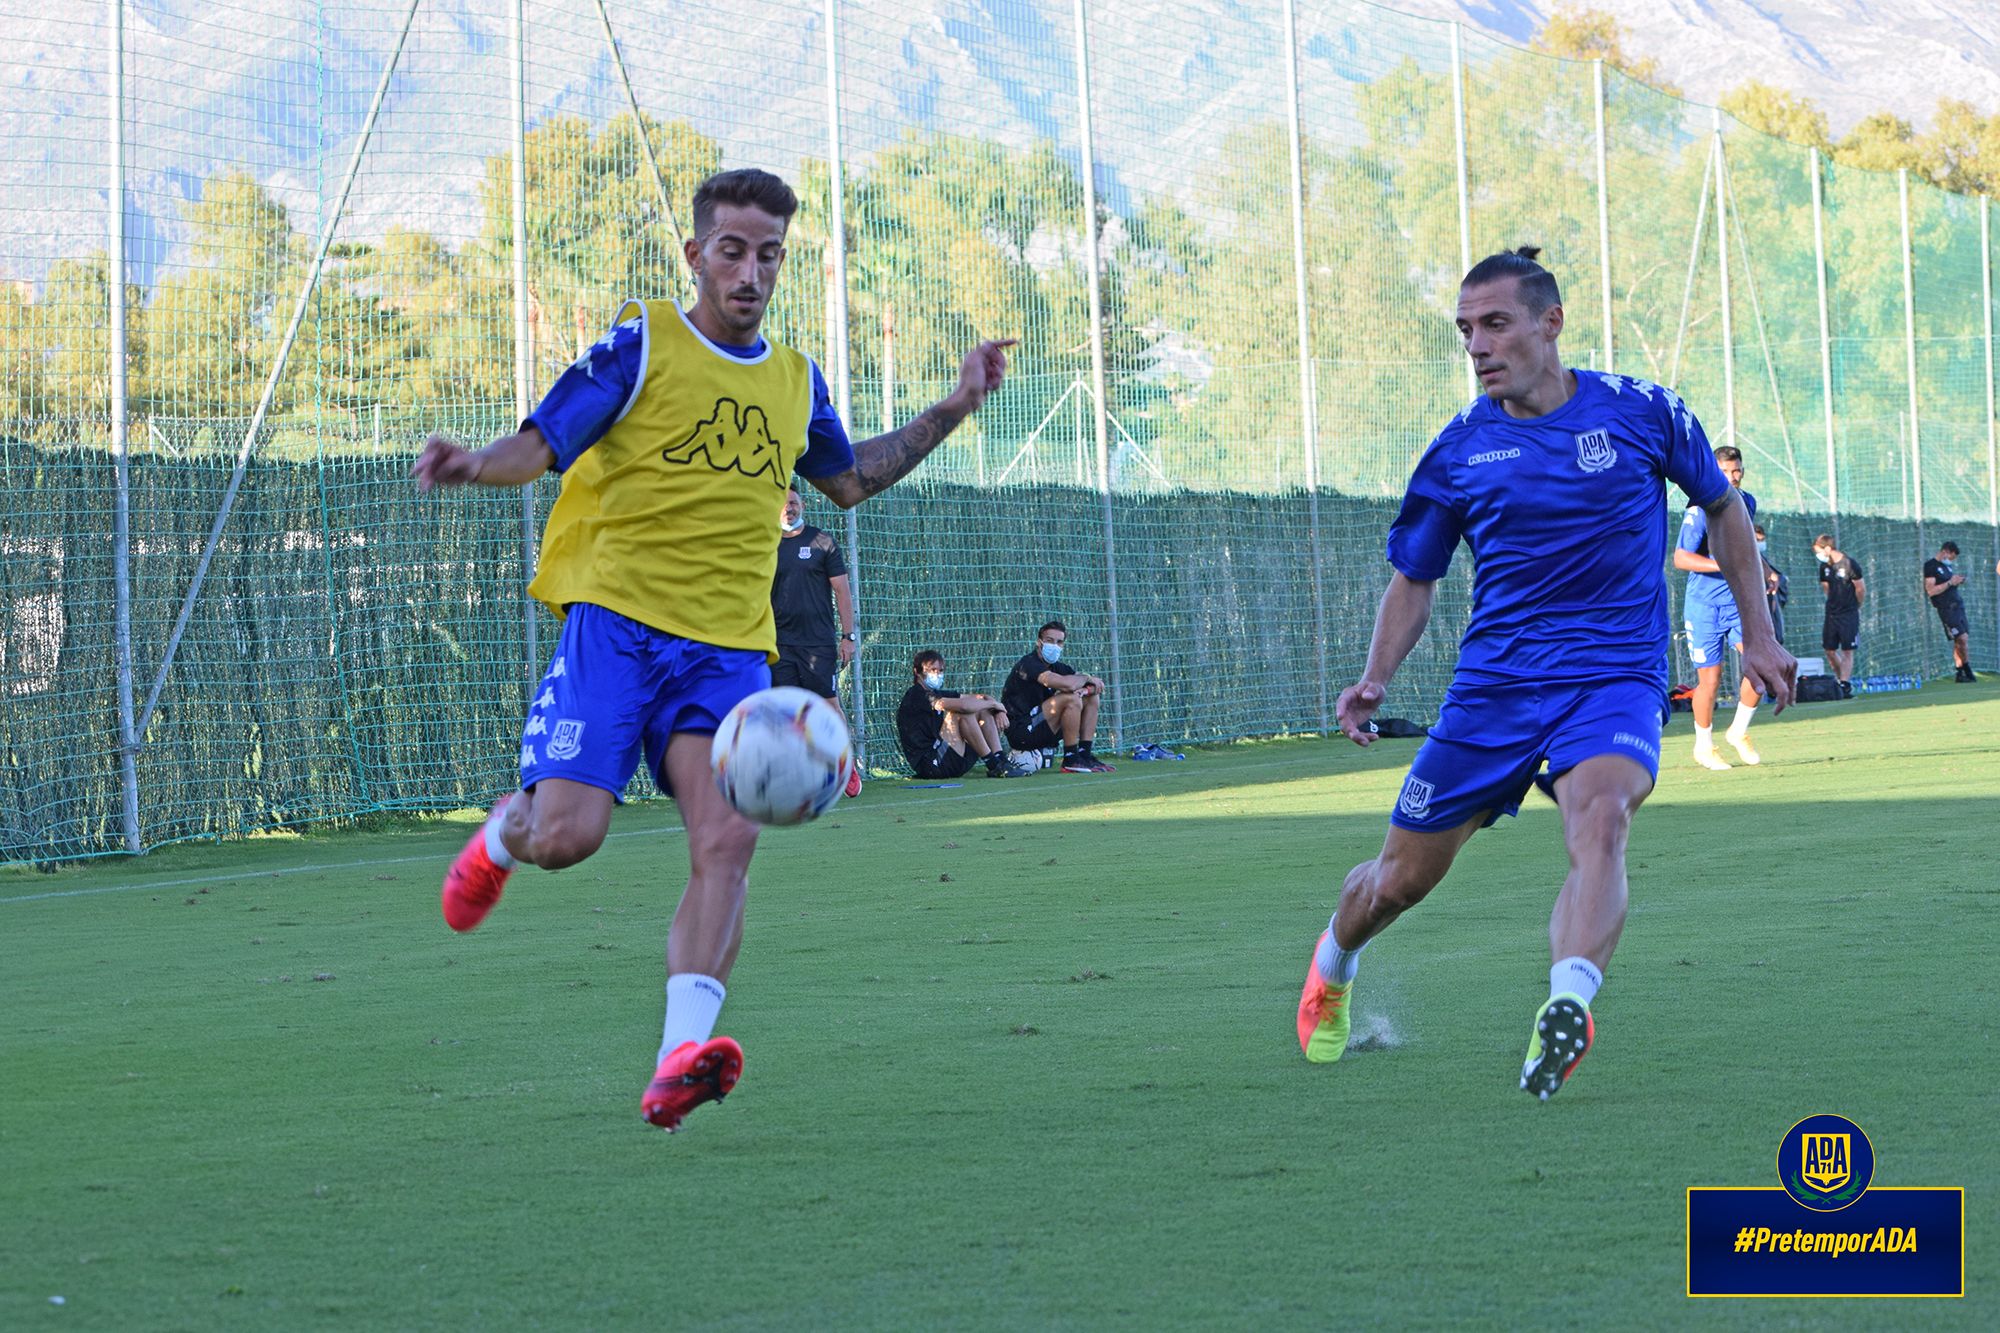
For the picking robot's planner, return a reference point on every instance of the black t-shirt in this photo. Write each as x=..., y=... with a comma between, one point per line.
x=1941, y=571
x=919, y=724
x=1024, y=689
x=1838, y=576
x=802, y=588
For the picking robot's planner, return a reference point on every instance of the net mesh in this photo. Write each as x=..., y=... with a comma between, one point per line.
x=358, y=647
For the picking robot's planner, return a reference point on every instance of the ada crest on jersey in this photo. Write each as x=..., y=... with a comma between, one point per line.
x=566, y=741
x=1416, y=798
x=1594, y=452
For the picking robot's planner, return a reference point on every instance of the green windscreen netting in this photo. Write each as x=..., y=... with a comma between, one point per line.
x=1146, y=475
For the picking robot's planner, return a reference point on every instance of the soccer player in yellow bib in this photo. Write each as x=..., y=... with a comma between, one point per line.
x=676, y=436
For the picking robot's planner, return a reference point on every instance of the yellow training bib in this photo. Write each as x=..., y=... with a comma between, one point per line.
x=672, y=517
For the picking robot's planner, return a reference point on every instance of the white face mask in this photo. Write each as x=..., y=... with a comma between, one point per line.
x=1760, y=548
x=1052, y=652
x=1823, y=557
x=933, y=680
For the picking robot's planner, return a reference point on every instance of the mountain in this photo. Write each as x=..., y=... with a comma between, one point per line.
x=283, y=98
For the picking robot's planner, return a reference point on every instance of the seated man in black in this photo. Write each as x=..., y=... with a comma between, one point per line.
x=943, y=732
x=1050, y=700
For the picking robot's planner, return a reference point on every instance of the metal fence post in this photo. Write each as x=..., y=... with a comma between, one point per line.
x=1992, y=422
x=843, y=376
x=1722, y=259
x=524, y=370
x=1094, y=278
x=1603, y=215
x=1825, y=342
x=1910, y=360
x=121, y=523
x=1464, y=190
x=1308, y=396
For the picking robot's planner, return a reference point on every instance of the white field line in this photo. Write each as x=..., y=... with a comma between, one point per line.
x=1006, y=789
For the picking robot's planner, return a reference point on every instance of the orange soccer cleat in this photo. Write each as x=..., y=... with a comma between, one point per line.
x=692, y=1073
x=1324, y=1017
x=473, y=883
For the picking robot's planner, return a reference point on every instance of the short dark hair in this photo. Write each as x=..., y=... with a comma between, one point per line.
x=1758, y=528
x=1537, y=285
x=924, y=659
x=1728, y=453
x=1053, y=624
x=1948, y=546
x=744, y=187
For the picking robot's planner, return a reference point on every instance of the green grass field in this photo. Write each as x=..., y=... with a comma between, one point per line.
x=1019, y=1055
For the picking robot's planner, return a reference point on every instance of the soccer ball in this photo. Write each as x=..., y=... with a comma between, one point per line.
x=782, y=756
x=1029, y=759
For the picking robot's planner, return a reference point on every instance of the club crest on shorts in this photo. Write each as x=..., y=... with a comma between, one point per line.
x=1594, y=452
x=566, y=741
x=1416, y=798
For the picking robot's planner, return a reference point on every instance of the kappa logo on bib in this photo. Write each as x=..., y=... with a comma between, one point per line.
x=734, y=438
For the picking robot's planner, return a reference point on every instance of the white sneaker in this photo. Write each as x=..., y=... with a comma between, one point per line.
x=1706, y=756
x=1744, y=748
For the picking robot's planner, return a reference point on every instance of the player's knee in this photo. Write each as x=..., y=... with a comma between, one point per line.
x=722, y=848
x=1397, y=884
x=562, y=842
x=1598, y=819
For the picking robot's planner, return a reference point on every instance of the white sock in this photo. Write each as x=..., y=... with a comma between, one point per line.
x=1740, y=726
x=1575, y=976
x=1704, y=737
x=693, y=1003
x=1336, y=964
x=496, y=850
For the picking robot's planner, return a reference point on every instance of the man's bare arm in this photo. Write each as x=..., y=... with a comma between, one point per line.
x=1399, y=622
x=511, y=460
x=881, y=462
x=1766, y=664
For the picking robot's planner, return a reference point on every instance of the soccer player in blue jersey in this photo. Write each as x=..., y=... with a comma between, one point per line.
x=1713, y=627
x=676, y=437
x=1553, y=479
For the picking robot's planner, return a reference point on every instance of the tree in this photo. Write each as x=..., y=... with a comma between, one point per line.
x=1780, y=114
x=1962, y=150
x=1881, y=142
x=1593, y=34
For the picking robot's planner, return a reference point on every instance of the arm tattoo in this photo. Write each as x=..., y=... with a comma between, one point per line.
x=885, y=460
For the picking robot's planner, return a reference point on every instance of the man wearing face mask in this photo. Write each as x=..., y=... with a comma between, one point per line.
x=1050, y=700
x=810, y=585
x=1840, y=579
x=1941, y=584
x=943, y=733
x=1777, y=588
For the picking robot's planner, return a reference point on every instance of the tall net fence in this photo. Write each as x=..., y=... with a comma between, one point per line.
x=1227, y=237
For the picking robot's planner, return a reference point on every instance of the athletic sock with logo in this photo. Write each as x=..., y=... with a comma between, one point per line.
x=1336, y=964
x=1576, y=976
x=694, y=1002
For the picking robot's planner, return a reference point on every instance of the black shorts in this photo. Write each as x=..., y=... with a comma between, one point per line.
x=1953, y=618
x=807, y=669
x=1031, y=732
x=1841, y=633
x=943, y=762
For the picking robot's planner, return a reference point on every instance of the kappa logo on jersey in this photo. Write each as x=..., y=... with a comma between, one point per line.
x=536, y=727
x=1594, y=452
x=734, y=438
x=1416, y=798
x=1492, y=456
x=566, y=741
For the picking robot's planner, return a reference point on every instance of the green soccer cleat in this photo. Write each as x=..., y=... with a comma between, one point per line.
x=1562, y=1036
x=1324, y=1015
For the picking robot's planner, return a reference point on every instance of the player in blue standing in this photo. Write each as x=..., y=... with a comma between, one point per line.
x=1553, y=478
x=1713, y=627
x=676, y=435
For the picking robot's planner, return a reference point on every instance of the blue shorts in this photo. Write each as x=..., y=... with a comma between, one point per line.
x=1712, y=632
x=1491, y=740
x=617, y=688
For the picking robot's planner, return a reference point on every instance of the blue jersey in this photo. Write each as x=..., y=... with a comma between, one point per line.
x=1566, y=520
x=1705, y=591
x=598, y=389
